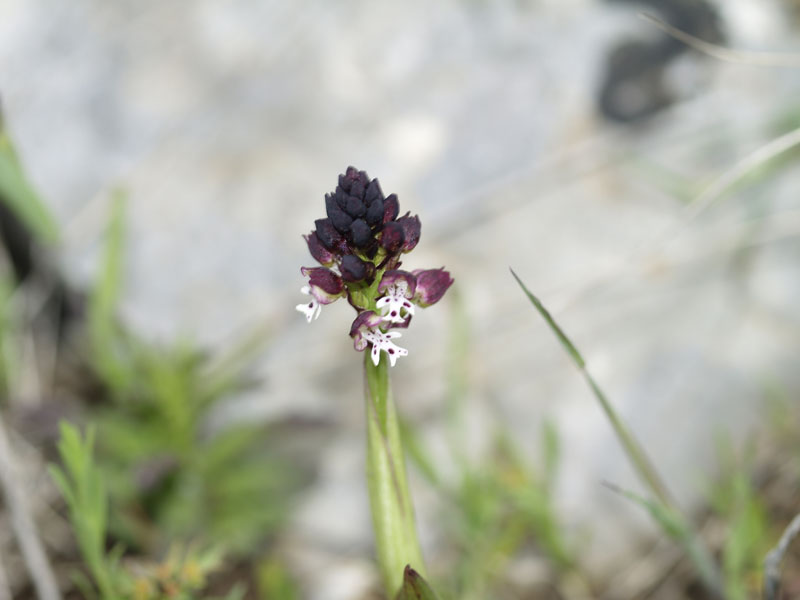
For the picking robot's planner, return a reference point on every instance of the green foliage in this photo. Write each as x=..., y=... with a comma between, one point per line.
x=104, y=333
x=663, y=511
x=497, y=508
x=503, y=506
x=182, y=575
x=168, y=473
x=736, y=501
x=17, y=192
x=82, y=486
x=275, y=582
x=674, y=525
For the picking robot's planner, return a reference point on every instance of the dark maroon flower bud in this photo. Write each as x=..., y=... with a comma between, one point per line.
x=326, y=286
x=344, y=181
x=327, y=233
x=411, y=231
x=373, y=192
x=355, y=207
x=317, y=250
x=340, y=219
x=391, y=207
x=355, y=269
x=357, y=189
x=431, y=285
x=361, y=233
x=341, y=198
x=392, y=237
x=375, y=212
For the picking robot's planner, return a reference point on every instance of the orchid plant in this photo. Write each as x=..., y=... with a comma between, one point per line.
x=360, y=245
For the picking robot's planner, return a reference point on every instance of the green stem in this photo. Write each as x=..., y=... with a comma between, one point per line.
x=392, y=512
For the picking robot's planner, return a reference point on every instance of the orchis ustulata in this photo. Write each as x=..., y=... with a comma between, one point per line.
x=359, y=245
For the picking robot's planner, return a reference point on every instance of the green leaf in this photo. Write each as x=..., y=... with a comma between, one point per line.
x=22, y=199
x=103, y=329
x=82, y=485
x=414, y=587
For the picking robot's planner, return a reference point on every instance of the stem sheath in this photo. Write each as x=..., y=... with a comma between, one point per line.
x=392, y=512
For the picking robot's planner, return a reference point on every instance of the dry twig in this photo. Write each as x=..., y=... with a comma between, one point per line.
x=772, y=563
x=43, y=578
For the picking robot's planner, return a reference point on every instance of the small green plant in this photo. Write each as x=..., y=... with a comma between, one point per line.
x=183, y=573
x=360, y=245
x=736, y=501
x=171, y=477
x=81, y=484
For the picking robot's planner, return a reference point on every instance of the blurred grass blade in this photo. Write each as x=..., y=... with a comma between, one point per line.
x=17, y=192
x=633, y=449
x=104, y=297
x=414, y=587
x=562, y=337
x=664, y=511
x=675, y=526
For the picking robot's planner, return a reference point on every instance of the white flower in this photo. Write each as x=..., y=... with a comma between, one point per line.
x=396, y=302
x=383, y=341
x=311, y=309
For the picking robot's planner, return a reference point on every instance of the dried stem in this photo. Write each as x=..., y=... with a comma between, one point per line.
x=5, y=588
x=744, y=57
x=772, y=563
x=42, y=576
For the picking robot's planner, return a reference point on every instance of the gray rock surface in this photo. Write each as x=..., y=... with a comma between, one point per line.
x=227, y=122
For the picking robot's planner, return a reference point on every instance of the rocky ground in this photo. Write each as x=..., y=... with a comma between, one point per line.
x=227, y=122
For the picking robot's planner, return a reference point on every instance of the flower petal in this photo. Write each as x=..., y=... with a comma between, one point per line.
x=312, y=309
x=392, y=237
x=326, y=286
x=383, y=342
x=399, y=287
x=365, y=322
x=411, y=231
x=320, y=253
x=431, y=285
x=391, y=207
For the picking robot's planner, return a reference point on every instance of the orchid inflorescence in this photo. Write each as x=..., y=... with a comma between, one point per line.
x=359, y=246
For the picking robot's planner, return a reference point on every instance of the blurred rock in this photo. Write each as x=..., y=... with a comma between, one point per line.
x=228, y=122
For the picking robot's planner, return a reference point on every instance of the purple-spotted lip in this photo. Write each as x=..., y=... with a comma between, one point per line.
x=366, y=322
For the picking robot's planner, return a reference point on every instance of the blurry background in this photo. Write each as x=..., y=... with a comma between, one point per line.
x=568, y=140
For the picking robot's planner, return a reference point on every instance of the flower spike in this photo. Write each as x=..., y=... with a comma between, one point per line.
x=359, y=244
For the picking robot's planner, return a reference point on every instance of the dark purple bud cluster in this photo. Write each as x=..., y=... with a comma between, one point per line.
x=361, y=224
x=359, y=242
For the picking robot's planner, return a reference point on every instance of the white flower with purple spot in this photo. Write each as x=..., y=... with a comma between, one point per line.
x=383, y=341
x=395, y=305
x=312, y=309
x=366, y=331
